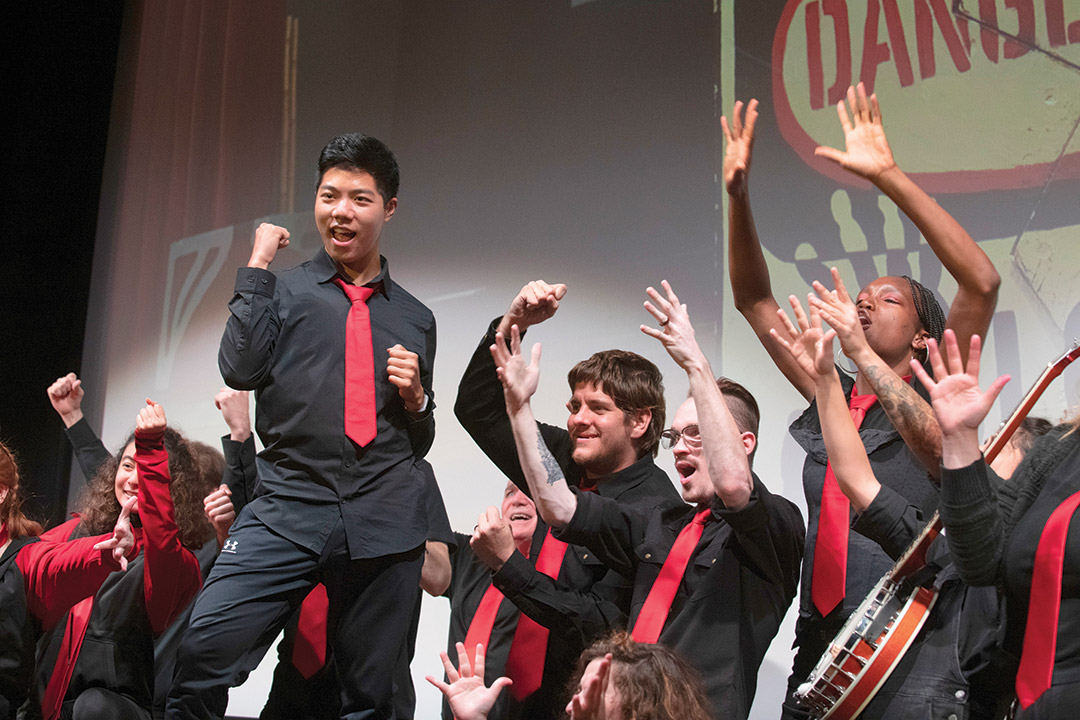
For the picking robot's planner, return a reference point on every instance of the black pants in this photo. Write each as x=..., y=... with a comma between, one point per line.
x=251, y=593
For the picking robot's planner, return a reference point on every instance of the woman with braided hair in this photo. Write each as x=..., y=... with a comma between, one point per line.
x=39, y=581
x=896, y=315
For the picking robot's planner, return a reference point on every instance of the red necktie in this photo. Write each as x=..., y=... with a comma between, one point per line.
x=830, y=550
x=525, y=665
x=1040, y=634
x=359, y=366
x=657, y=604
x=74, y=632
x=309, y=647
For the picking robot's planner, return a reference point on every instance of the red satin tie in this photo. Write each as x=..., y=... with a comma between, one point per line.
x=74, y=632
x=359, y=366
x=1036, y=669
x=309, y=647
x=830, y=550
x=657, y=604
x=525, y=665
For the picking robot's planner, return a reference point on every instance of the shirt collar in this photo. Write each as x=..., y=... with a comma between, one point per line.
x=326, y=270
x=617, y=483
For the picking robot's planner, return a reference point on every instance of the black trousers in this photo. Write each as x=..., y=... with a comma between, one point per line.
x=252, y=592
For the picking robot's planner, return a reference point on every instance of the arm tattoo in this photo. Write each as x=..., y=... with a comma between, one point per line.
x=900, y=401
x=551, y=467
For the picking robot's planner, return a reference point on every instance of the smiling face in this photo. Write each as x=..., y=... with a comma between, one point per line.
x=520, y=513
x=127, y=477
x=694, y=479
x=350, y=214
x=889, y=320
x=602, y=434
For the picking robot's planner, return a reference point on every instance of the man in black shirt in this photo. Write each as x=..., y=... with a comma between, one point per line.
x=608, y=445
x=329, y=509
x=716, y=592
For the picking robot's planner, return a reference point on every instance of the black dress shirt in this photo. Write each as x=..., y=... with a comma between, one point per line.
x=588, y=598
x=894, y=466
x=737, y=586
x=285, y=339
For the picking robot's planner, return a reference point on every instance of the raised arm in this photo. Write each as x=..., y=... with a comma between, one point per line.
x=247, y=346
x=808, y=345
x=546, y=480
x=969, y=504
x=171, y=574
x=726, y=448
x=868, y=155
x=66, y=396
x=238, y=446
x=481, y=407
x=747, y=268
x=905, y=408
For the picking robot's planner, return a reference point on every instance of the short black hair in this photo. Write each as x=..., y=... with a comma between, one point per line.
x=743, y=407
x=356, y=151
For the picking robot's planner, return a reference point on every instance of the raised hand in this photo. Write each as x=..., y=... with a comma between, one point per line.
x=519, y=380
x=403, y=371
x=809, y=345
x=219, y=509
x=123, y=539
x=233, y=405
x=536, y=302
x=676, y=333
x=868, y=153
x=738, y=147
x=492, y=540
x=837, y=309
x=588, y=703
x=469, y=699
x=151, y=418
x=268, y=240
x=959, y=404
x=66, y=395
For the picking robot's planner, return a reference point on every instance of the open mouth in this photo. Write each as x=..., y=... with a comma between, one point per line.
x=864, y=320
x=341, y=236
x=685, y=468
x=520, y=516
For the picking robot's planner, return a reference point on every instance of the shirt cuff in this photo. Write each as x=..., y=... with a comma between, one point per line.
x=513, y=577
x=255, y=280
x=883, y=521
x=81, y=434
x=965, y=486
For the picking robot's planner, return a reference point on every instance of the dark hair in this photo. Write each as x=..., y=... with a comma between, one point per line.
x=11, y=514
x=634, y=383
x=1031, y=428
x=653, y=681
x=354, y=151
x=743, y=407
x=931, y=316
x=99, y=507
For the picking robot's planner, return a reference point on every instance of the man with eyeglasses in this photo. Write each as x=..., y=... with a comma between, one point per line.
x=612, y=433
x=712, y=580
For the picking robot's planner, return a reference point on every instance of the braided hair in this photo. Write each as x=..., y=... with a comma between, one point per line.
x=931, y=316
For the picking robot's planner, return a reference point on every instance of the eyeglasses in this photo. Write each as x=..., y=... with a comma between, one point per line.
x=690, y=434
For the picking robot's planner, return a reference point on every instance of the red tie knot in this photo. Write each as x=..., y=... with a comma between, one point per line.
x=356, y=293
x=703, y=517
x=862, y=402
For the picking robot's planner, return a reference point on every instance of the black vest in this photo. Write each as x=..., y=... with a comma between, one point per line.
x=18, y=631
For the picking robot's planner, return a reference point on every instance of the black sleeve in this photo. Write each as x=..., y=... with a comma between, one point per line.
x=247, y=346
x=560, y=608
x=770, y=534
x=90, y=452
x=421, y=425
x=890, y=521
x=973, y=523
x=481, y=410
x=610, y=529
x=240, y=474
x=439, y=529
